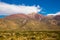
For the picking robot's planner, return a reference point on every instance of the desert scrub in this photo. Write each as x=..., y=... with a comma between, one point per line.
x=30, y=35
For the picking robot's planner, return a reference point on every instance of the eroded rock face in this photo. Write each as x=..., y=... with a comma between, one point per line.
x=38, y=16
x=57, y=17
x=17, y=16
x=30, y=22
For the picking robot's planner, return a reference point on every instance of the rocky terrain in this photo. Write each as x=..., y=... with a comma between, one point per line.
x=30, y=22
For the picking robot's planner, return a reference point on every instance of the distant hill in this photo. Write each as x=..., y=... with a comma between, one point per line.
x=30, y=22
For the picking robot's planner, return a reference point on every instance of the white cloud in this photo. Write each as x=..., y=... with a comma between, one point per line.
x=58, y=13
x=13, y=9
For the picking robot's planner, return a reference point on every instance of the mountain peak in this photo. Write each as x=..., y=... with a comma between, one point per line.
x=14, y=16
x=33, y=16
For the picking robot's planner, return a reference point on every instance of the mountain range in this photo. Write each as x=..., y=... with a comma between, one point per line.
x=30, y=22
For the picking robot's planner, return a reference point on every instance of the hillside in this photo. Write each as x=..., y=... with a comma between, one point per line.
x=31, y=22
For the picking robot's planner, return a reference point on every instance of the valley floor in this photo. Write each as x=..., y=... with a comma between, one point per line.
x=30, y=35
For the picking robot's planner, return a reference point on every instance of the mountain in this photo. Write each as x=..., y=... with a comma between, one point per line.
x=36, y=16
x=16, y=16
x=57, y=17
x=30, y=22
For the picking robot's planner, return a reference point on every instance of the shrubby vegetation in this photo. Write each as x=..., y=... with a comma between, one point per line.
x=30, y=35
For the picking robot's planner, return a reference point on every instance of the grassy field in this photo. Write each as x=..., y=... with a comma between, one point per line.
x=30, y=35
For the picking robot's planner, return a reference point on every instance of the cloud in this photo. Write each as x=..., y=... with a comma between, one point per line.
x=13, y=9
x=58, y=13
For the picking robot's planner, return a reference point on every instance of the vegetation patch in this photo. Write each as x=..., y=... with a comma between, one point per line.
x=30, y=35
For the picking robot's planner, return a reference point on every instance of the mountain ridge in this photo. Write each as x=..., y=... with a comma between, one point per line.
x=31, y=22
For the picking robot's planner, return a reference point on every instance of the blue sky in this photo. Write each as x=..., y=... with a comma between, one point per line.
x=48, y=6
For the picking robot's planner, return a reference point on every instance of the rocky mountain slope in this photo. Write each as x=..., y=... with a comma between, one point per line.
x=30, y=22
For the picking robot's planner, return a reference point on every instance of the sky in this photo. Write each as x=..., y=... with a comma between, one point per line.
x=45, y=7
